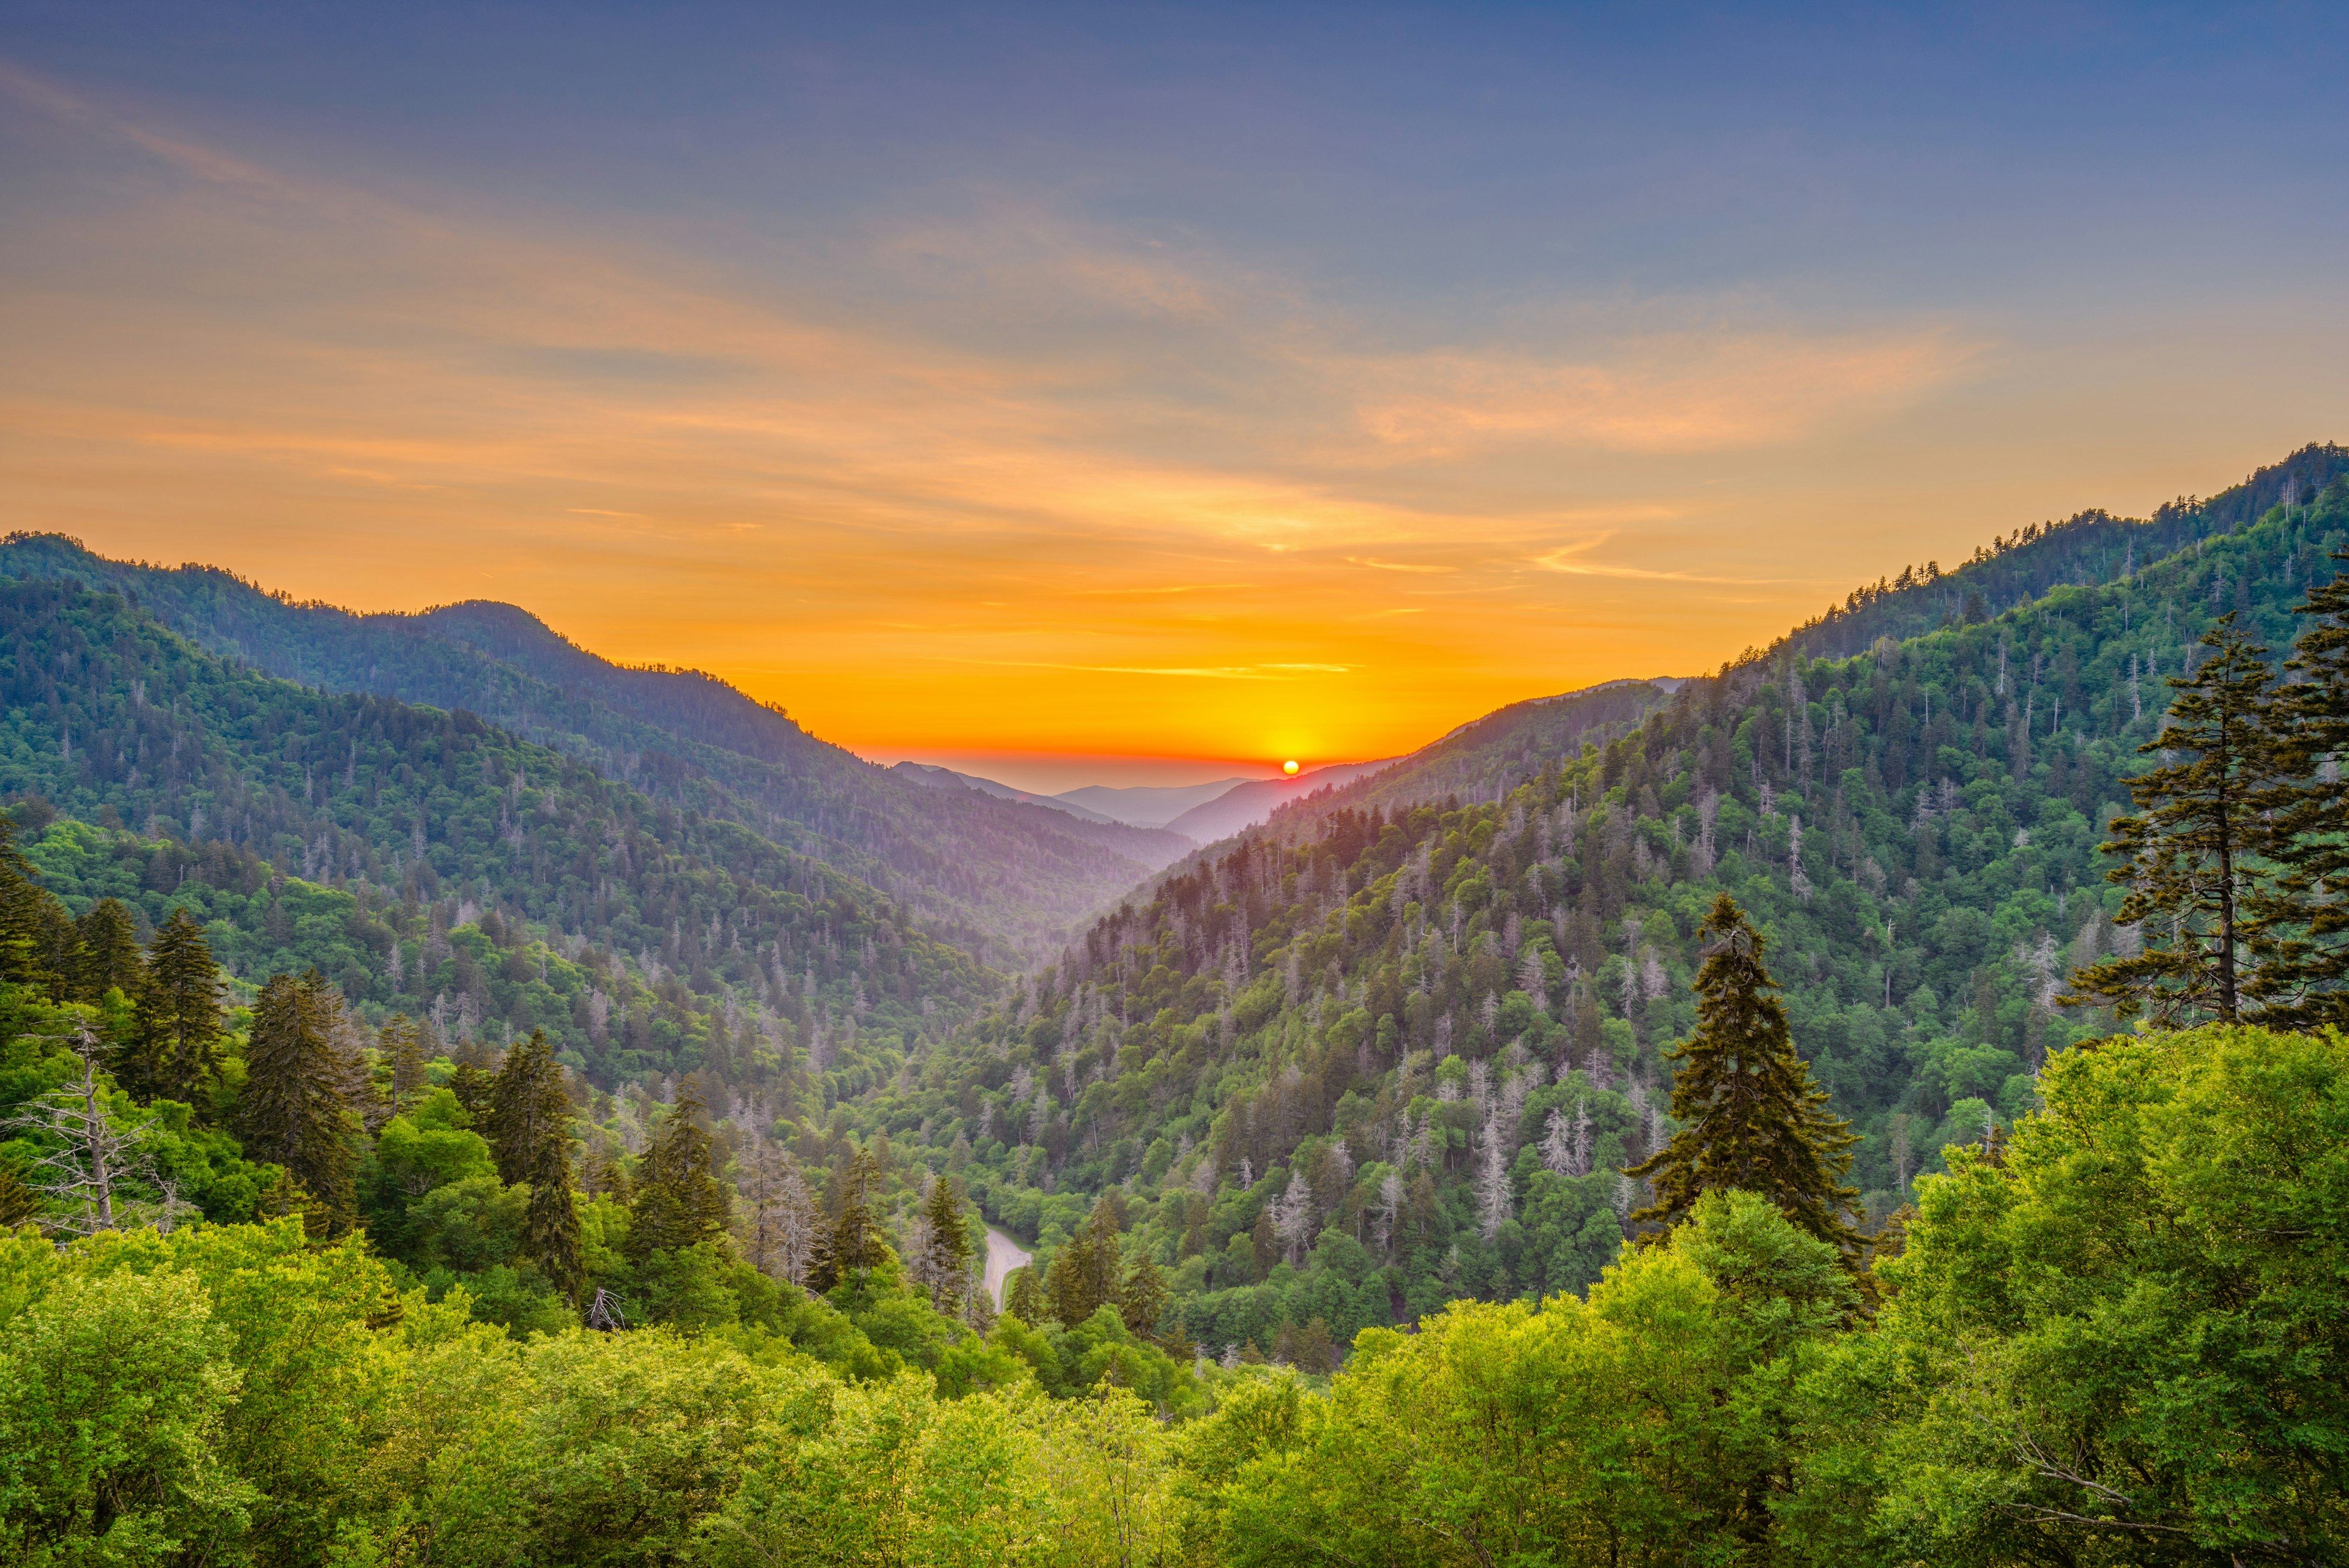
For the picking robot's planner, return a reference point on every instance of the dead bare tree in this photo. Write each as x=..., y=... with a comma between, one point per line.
x=87, y=1165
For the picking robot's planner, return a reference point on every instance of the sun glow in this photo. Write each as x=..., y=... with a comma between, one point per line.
x=1288, y=768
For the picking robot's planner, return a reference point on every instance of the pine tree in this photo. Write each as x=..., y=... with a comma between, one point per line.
x=678, y=1202
x=2190, y=866
x=177, y=1041
x=107, y=941
x=294, y=1111
x=2303, y=927
x=529, y=1134
x=1750, y=1118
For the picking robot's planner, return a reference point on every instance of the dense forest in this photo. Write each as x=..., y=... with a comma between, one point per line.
x=999, y=879
x=426, y=1147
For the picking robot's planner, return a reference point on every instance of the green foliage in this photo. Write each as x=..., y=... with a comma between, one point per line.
x=1750, y=1121
x=2122, y=1340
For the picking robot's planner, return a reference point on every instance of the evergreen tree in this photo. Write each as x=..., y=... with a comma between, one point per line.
x=2189, y=863
x=530, y=1135
x=294, y=1111
x=1023, y=1298
x=402, y=1044
x=948, y=1264
x=107, y=944
x=1141, y=1300
x=2302, y=933
x=1085, y=1275
x=1750, y=1118
x=679, y=1201
x=21, y=900
x=851, y=1247
x=177, y=1041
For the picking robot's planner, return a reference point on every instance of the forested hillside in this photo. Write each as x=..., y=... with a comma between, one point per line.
x=1364, y=1060
x=441, y=867
x=978, y=870
x=421, y=1148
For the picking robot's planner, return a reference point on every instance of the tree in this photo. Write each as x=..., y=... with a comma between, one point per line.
x=22, y=898
x=777, y=1220
x=108, y=944
x=1749, y=1119
x=851, y=1247
x=678, y=1202
x=87, y=1165
x=2303, y=929
x=178, y=1034
x=946, y=1264
x=1084, y=1275
x=2187, y=864
x=1024, y=1297
x=2121, y=1342
x=295, y=1110
x=530, y=1135
x=1142, y=1301
x=402, y=1041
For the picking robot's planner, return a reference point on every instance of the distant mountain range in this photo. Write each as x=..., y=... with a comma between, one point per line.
x=1002, y=881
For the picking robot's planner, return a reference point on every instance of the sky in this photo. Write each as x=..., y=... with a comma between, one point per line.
x=1140, y=394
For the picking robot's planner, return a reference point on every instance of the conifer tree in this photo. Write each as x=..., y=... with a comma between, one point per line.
x=402, y=1041
x=1085, y=1275
x=852, y=1246
x=177, y=1041
x=107, y=944
x=1023, y=1298
x=2189, y=863
x=948, y=1262
x=294, y=1111
x=1750, y=1118
x=1141, y=1300
x=2303, y=926
x=678, y=1202
x=530, y=1135
x=22, y=911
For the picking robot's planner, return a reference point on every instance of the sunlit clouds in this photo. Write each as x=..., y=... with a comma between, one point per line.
x=989, y=473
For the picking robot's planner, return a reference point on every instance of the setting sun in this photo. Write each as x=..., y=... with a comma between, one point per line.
x=1289, y=767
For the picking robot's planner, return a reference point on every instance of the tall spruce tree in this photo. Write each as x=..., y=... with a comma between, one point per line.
x=2189, y=856
x=1750, y=1118
x=176, y=1044
x=402, y=1041
x=530, y=1136
x=2303, y=926
x=23, y=917
x=852, y=1246
x=294, y=1111
x=948, y=1264
x=107, y=940
x=678, y=1202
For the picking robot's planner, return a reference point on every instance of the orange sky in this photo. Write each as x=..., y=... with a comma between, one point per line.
x=1009, y=480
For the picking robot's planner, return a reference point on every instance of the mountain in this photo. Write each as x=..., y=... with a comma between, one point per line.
x=453, y=869
x=1246, y=805
x=1156, y=850
x=984, y=872
x=1146, y=805
x=1390, y=1046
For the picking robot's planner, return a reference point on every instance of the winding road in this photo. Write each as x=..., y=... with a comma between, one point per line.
x=1003, y=1255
